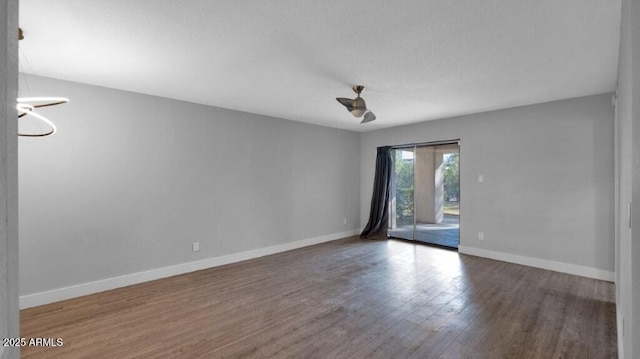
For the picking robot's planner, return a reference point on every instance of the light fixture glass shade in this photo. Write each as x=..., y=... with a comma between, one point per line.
x=358, y=112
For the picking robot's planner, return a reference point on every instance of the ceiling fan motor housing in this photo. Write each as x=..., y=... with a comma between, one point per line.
x=359, y=107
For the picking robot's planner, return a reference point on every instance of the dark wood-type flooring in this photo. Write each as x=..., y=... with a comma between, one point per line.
x=349, y=298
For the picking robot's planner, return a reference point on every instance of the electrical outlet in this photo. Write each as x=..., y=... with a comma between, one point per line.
x=480, y=178
x=196, y=246
x=344, y=221
x=481, y=236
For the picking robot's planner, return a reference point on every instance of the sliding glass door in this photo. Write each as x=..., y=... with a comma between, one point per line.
x=402, y=209
x=425, y=194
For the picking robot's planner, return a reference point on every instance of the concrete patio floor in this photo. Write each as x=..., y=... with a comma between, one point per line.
x=445, y=234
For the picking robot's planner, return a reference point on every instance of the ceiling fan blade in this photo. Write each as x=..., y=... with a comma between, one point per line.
x=368, y=117
x=347, y=102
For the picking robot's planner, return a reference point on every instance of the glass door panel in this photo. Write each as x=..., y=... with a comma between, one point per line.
x=402, y=204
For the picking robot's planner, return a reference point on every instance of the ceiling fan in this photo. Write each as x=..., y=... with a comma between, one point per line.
x=357, y=106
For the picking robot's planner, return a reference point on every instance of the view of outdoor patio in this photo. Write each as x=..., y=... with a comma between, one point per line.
x=435, y=211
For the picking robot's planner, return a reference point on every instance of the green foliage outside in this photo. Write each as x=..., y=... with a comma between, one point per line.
x=451, y=177
x=404, y=189
x=404, y=186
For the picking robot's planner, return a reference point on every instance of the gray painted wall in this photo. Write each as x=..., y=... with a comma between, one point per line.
x=549, y=178
x=130, y=181
x=9, y=322
x=628, y=147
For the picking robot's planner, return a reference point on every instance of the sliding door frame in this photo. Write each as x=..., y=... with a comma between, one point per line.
x=415, y=146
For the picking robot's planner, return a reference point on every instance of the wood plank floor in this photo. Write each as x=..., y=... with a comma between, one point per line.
x=349, y=298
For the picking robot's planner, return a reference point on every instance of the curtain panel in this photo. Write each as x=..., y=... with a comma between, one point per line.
x=377, y=226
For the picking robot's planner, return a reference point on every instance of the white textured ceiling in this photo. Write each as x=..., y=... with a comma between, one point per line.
x=420, y=59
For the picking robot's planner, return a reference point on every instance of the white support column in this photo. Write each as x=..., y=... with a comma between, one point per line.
x=429, y=188
x=424, y=185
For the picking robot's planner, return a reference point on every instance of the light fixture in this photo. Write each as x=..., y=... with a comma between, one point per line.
x=26, y=107
x=358, y=112
x=359, y=106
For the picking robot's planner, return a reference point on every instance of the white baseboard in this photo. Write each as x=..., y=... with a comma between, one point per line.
x=55, y=295
x=575, y=269
x=620, y=328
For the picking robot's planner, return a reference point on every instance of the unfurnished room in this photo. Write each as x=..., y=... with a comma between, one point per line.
x=319, y=179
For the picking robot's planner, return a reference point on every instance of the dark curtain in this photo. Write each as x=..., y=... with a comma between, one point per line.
x=377, y=226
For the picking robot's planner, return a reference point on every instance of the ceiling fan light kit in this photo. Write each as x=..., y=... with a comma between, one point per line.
x=357, y=106
x=358, y=112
